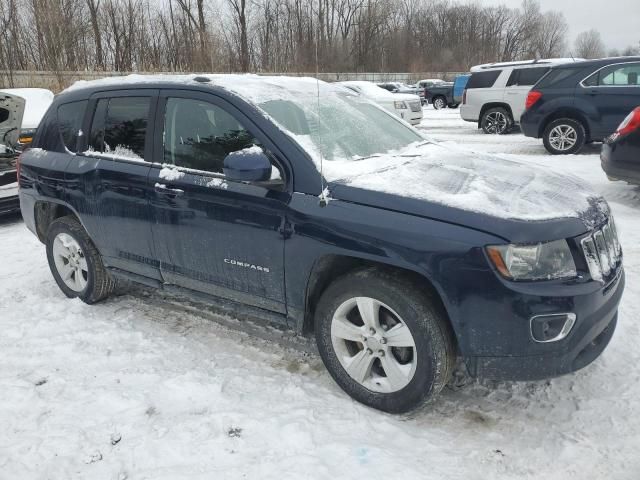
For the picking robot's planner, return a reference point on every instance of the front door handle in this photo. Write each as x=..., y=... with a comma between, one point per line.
x=162, y=189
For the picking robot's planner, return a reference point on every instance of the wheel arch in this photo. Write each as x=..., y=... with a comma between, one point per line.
x=565, y=112
x=329, y=267
x=490, y=105
x=46, y=211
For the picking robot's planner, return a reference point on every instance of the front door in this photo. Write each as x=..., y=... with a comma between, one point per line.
x=212, y=234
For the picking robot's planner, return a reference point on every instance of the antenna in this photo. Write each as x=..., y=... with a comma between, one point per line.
x=324, y=193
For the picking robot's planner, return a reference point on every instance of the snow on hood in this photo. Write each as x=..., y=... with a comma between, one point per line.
x=472, y=182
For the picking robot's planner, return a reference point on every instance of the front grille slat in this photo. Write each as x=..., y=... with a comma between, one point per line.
x=602, y=251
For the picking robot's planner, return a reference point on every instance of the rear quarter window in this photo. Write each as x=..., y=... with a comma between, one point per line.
x=483, y=79
x=555, y=77
x=70, y=116
x=526, y=76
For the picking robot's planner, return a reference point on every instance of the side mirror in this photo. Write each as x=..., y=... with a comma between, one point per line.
x=247, y=165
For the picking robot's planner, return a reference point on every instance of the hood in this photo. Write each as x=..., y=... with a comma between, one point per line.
x=11, y=112
x=37, y=102
x=516, y=201
x=407, y=97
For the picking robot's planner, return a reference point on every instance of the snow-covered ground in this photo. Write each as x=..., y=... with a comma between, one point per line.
x=138, y=388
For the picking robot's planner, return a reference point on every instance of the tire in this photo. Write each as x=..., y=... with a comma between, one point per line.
x=425, y=366
x=496, y=121
x=564, y=136
x=439, y=102
x=71, y=251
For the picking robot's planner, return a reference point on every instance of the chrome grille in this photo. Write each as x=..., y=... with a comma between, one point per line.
x=415, y=106
x=602, y=251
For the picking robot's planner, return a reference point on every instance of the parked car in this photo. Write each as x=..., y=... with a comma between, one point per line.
x=579, y=103
x=426, y=83
x=404, y=105
x=495, y=94
x=311, y=207
x=620, y=156
x=440, y=95
x=20, y=112
x=399, y=87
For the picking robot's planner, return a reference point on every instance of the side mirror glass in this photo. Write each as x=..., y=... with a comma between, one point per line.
x=247, y=165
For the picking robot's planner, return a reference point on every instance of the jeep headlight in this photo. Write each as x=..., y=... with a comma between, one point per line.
x=400, y=105
x=542, y=261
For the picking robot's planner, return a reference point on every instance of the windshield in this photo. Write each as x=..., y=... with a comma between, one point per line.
x=340, y=125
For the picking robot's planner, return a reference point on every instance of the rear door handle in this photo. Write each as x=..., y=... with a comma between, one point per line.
x=162, y=189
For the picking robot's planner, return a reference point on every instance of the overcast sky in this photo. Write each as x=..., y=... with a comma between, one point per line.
x=617, y=20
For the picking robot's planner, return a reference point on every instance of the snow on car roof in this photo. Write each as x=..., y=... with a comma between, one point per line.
x=531, y=63
x=37, y=103
x=255, y=88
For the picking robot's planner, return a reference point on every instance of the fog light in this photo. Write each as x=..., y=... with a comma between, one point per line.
x=553, y=327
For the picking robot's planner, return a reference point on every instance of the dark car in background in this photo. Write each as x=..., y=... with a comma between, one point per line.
x=582, y=102
x=620, y=154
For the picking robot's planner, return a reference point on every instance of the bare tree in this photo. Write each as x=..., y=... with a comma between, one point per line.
x=589, y=44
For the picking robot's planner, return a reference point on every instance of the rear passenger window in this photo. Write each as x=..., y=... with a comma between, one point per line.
x=615, y=75
x=526, y=76
x=483, y=79
x=119, y=126
x=70, y=117
x=200, y=135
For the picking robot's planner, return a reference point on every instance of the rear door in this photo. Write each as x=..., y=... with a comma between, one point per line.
x=211, y=234
x=613, y=91
x=107, y=179
x=518, y=85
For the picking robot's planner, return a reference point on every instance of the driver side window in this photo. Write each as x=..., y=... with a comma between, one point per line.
x=199, y=135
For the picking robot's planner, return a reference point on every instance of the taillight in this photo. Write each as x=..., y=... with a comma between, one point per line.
x=630, y=124
x=532, y=98
x=464, y=97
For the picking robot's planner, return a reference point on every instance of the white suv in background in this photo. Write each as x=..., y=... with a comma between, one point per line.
x=406, y=106
x=496, y=92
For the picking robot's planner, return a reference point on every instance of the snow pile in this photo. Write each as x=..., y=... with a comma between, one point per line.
x=217, y=183
x=170, y=172
x=120, y=152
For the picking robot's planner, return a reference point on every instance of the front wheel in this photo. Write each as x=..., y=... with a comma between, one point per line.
x=564, y=136
x=75, y=262
x=383, y=341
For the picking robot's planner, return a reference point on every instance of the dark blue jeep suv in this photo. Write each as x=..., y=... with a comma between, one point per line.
x=312, y=207
x=581, y=102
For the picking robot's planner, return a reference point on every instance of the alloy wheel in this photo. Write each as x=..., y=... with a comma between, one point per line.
x=496, y=123
x=70, y=262
x=563, y=137
x=373, y=344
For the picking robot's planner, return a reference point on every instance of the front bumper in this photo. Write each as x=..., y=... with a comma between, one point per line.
x=597, y=316
x=9, y=201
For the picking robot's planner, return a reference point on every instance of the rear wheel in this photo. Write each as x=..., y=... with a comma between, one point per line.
x=439, y=103
x=564, y=136
x=385, y=343
x=75, y=262
x=496, y=121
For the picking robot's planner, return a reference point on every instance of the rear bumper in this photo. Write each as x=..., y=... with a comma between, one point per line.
x=10, y=204
x=469, y=114
x=586, y=341
x=529, y=124
x=620, y=162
